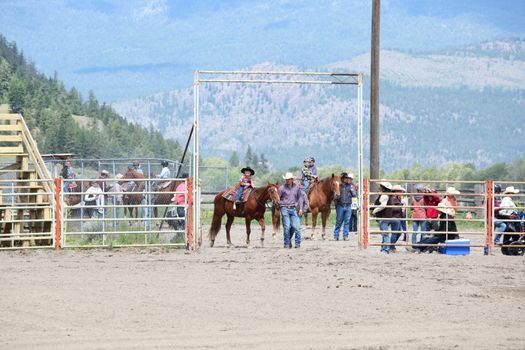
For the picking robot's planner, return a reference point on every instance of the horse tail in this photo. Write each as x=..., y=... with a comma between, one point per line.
x=217, y=217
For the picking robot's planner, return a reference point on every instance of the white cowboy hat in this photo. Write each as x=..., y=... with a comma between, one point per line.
x=398, y=188
x=104, y=172
x=386, y=185
x=288, y=175
x=119, y=176
x=451, y=191
x=511, y=189
x=350, y=175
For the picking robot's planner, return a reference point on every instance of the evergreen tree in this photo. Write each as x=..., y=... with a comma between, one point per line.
x=248, y=158
x=234, y=159
x=5, y=77
x=16, y=95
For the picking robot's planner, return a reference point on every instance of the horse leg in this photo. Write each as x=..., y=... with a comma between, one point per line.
x=263, y=227
x=306, y=219
x=314, y=223
x=229, y=222
x=248, y=231
x=325, y=215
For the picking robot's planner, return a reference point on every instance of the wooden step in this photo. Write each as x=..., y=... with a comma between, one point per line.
x=10, y=127
x=12, y=150
x=10, y=116
x=11, y=138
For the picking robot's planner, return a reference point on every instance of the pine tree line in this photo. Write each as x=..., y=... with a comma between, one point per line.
x=50, y=109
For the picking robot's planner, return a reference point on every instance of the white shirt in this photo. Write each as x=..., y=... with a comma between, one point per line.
x=507, y=206
x=95, y=194
x=165, y=173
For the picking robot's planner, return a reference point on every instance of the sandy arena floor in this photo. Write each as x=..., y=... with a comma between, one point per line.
x=327, y=295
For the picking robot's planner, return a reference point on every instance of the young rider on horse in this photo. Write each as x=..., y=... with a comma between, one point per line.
x=246, y=181
x=308, y=172
x=164, y=174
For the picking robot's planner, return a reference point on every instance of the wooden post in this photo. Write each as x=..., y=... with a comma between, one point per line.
x=374, y=92
x=58, y=189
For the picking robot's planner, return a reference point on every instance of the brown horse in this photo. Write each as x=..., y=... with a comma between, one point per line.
x=253, y=209
x=321, y=197
x=165, y=196
x=135, y=195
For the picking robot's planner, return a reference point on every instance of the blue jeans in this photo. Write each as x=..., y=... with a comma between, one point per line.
x=343, y=213
x=353, y=221
x=415, y=225
x=291, y=220
x=402, y=226
x=383, y=226
x=306, y=183
x=239, y=193
x=501, y=228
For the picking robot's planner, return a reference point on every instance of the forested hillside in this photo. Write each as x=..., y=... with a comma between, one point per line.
x=61, y=121
x=436, y=108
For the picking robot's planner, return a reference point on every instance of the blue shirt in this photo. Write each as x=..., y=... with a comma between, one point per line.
x=347, y=192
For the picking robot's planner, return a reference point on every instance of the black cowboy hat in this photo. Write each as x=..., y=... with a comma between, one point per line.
x=248, y=169
x=345, y=175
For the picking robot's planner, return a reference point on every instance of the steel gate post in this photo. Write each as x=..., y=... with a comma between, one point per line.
x=489, y=215
x=365, y=213
x=189, y=221
x=58, y=189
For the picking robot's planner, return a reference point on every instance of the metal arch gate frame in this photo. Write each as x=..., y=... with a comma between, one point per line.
x=267, y=77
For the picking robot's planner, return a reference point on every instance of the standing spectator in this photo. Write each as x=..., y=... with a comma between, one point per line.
x=383, y=212
x=355, y=207
x=419, y=214
x=94, y=199
x=431, y=200
x=117, y=197
x=397, y=214
x=179, y=199
x=291, y=199
x=67, y=173
x=343, y=206
x=136, y=167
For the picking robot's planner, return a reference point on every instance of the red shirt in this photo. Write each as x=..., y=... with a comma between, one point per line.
x=432, y=199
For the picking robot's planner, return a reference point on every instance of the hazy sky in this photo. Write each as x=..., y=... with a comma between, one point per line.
x=124, y=49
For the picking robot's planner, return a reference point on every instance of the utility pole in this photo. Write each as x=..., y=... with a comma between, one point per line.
x=374, y=91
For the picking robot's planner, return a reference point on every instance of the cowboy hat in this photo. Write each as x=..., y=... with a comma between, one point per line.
x=346, y=176
x=511, y=189
x=288, y=176
x=104, y=172
x=451, y=191
x=386, y=185
x=248, y=169
x=119, y=176
x=398, y=188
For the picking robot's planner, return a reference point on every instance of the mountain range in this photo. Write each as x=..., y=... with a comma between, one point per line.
x=465, y=104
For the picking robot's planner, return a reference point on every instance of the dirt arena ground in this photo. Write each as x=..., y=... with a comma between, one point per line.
x=327, y=295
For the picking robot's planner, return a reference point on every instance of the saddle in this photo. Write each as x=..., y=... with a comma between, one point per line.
x=231, y=194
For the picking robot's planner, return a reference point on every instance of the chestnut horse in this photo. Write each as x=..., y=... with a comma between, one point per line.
x=253, y=209
x=135, y=195
x=321, y=197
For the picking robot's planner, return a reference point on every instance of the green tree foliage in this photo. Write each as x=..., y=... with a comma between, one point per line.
x=234, y=159
x=61, y=121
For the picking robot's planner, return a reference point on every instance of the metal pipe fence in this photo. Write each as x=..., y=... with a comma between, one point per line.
x=128, y=213
x=439, y=222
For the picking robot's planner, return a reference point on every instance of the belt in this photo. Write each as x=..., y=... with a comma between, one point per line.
x=345, y=204
x=288, y=206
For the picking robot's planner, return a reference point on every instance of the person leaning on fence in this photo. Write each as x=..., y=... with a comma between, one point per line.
x=419, y=214
x=384, y=214
x=447, y=212
x=398, y=214
x=118, y=196
x=179, y=199
x=291, y=201
x=508, y=210
x=67, y=173
x=94, y=200
x=343, y=207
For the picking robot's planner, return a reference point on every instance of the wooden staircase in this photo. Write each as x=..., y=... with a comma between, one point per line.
x=26, y=188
